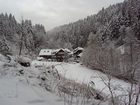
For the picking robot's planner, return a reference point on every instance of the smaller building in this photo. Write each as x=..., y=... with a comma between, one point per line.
x=77, y=53
x=60, y=55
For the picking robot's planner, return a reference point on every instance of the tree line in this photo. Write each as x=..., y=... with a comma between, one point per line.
x=22, y=37
x=110, y=38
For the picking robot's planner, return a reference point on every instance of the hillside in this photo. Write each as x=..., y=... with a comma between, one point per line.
x=23, y=37
x=55, y=83
x=109, y=23
x=111, y=39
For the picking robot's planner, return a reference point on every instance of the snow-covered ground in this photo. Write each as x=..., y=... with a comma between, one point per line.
x=23, y=90
x=82, y=74
x=17, y=89
x=15, y=92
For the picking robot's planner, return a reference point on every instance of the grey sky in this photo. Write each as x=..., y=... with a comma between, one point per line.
x=53, y=13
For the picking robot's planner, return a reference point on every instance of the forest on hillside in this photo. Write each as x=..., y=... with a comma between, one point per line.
x=93, y=61
x=111, y=39
x=22, y=37
x=109, y=23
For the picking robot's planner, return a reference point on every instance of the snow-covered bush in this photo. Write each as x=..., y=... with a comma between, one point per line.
x=73, y=88
x=24, y=61
x=52, y=81
x=3, y=58
x=49, y=78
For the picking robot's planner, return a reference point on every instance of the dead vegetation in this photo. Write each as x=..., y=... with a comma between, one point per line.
x=72, y=92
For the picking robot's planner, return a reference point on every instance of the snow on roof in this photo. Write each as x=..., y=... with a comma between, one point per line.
x=52, y=51
x=67, y=50
x=79, y=48
x=80, y=55
x=76, y=49
x=64, y=49
x=57, y=50
x=46, y=52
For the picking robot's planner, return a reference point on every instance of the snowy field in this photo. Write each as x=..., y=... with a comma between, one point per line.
x=16, y=89
x=24, y=89
x=15, y=92
x=85, y=75
x=82, y=74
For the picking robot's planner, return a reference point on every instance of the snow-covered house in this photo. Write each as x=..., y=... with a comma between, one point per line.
x=55, y=54
x=62, y=54
x=46, y=53
x=77, y=53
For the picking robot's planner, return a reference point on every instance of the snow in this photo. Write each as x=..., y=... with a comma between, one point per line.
x=67, y=50
x=78, y=48
x=16, y=89
x=24, y=89
x=50, y=52
x=121, y=49
x=3, y=58
x=22, y=59
x=15, y=92
x=44, y=63
x=80, y=55
x=83, y=74
x=46, y=52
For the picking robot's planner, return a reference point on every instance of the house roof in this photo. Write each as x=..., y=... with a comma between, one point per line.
x=80, y=55
x=64, y=49
x=67, y=50
x=52, y=51
x=77, y=49
x=46, y=52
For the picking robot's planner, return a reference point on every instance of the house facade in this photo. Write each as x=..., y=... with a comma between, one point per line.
x=46, y=53
x=77, y=53
x=59, y=55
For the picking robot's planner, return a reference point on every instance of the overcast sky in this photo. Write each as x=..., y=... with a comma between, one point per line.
x=53, y=13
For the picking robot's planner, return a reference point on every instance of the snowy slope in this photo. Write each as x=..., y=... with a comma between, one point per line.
x=22, y=89
x=15, y=92
x=83, y=74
